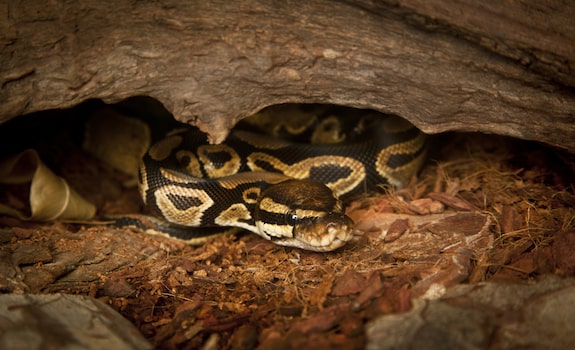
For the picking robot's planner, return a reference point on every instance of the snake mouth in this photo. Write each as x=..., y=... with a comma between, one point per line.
x=325, y=233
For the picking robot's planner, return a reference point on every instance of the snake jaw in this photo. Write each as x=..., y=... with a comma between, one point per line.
x=324, y=234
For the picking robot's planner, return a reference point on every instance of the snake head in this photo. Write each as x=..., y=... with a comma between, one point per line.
x=303, y=214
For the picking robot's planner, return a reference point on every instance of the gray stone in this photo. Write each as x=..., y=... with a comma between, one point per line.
x=60, y=321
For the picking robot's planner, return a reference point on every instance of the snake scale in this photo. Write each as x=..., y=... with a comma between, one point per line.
x=278, y=186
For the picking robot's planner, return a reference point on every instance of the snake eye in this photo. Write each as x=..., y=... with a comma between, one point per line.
x=291, y=217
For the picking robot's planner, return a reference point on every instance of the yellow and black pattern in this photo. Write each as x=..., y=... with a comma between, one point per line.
x=284, y=190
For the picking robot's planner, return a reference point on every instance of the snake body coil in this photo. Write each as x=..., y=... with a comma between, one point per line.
x=284, y=191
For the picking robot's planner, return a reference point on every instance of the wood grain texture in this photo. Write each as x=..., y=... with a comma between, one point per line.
x=498, y=67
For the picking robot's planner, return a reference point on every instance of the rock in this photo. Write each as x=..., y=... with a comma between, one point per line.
x=61, y=321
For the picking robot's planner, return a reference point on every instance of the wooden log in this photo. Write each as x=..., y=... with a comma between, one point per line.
x=497, y=67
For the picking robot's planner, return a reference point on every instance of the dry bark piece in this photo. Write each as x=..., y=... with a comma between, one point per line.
x=326, y=319
x=396, y=229
x=351, y=282
x=451, y=201
x=424, y=206
x=374, y=289
x=118, y=287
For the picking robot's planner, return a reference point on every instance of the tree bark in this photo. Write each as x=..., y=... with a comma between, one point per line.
x=498, y=67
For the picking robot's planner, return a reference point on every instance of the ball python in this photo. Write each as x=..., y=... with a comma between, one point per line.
x=284, y=190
